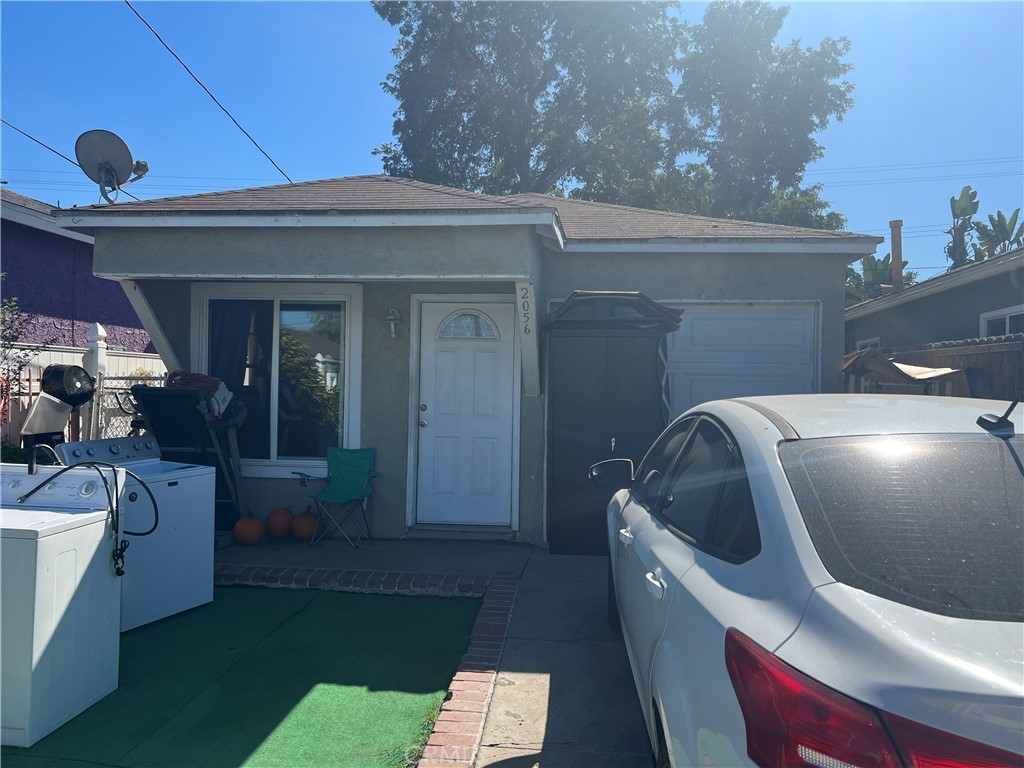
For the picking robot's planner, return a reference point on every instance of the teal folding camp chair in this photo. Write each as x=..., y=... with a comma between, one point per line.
x=348, y=488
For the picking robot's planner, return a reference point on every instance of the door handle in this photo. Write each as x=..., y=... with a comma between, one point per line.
x=613, y=445
x=654, y=585
x=423, y=422
x=625, y=536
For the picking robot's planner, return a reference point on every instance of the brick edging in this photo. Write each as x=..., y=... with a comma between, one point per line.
x=455, y=739
x=342, y=580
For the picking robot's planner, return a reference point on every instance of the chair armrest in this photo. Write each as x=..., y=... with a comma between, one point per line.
x=305, y=478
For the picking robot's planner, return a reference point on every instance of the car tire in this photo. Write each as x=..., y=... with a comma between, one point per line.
x=613, y=607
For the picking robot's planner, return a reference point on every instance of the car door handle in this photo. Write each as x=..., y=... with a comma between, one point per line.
x=654, y=585
x=625, y=536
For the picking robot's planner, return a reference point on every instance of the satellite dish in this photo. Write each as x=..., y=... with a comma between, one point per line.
x=106, y=159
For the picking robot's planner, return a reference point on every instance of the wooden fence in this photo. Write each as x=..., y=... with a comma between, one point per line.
x=994, y=367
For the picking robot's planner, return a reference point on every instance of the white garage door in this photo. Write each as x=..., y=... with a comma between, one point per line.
x=737, y=350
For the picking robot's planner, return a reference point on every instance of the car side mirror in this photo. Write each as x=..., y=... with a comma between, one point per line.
x=612, y=473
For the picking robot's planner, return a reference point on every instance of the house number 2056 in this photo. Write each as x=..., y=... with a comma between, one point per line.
x=526, y=308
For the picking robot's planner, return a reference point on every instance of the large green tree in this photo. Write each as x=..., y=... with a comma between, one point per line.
x=524, y=96
x=754, y=107
x=618, y=102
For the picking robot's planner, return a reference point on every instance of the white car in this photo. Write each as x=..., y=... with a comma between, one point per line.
x=826, y=581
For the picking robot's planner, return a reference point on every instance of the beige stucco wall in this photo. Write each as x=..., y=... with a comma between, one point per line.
x=373, y=253
x=387, y=258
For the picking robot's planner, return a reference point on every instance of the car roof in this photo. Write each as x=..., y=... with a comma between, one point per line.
x=812, y=416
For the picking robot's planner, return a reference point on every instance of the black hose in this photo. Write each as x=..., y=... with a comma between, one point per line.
x=113, y=505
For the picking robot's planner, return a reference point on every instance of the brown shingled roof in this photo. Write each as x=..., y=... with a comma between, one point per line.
x=585, y=220
x=13, y=198
x=580, y=219
x=352, y=194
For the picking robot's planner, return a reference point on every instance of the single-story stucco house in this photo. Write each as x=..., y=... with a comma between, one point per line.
x=423, y=312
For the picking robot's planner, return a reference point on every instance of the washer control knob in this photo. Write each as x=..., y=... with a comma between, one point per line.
x=150, y=444
x=115, y=449
x=77, y=453
x=87, y=489
x=91, y=451
x=50, y=486
x=138, y=446
x=14, y=484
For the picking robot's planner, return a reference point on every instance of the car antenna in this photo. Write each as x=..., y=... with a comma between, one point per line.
x=1000, y=426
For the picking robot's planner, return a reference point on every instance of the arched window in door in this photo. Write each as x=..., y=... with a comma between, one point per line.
x=468, y=325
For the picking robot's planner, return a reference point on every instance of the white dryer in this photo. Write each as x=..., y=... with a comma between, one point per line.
x=60, y=600
x=170, y=570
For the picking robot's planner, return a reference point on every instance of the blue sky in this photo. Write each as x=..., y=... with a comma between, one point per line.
x=937, y=100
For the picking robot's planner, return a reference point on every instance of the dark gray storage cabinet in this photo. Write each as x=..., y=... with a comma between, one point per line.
x=606, y=399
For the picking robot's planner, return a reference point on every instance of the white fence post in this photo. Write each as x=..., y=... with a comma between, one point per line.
x=95, y=363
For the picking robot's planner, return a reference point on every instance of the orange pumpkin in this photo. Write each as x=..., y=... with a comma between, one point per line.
x=304, y=524
x=248, y=530
x=279, y=523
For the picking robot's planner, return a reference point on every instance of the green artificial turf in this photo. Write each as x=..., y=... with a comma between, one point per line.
x=270, y=677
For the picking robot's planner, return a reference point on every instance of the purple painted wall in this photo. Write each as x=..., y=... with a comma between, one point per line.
x=52, y=278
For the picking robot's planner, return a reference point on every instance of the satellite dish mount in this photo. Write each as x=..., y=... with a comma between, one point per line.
x=106, y=159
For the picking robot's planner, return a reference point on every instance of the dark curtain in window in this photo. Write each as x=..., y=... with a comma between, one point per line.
x=230, y=323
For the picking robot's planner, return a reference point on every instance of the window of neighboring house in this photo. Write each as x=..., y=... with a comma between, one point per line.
x=290, y=359
x=1000, y=322
x=872, y=343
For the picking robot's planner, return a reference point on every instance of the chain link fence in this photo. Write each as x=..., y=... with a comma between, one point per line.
x=118, y=413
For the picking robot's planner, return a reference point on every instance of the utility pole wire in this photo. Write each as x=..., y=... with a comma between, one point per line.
x=223, y=109
x=44, y=146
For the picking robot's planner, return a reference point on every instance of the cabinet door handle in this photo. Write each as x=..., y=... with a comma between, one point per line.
x=613, y=445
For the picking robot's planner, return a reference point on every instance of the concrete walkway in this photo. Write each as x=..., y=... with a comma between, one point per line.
x=564, y=695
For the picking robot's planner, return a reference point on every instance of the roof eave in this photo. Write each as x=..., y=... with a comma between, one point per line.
x=91, y=220
x=854, y=247
x=979, y=271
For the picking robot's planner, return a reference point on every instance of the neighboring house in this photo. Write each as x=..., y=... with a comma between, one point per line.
x=970, y=318
x=980, y=300
x=431, y=304
x=50, y=271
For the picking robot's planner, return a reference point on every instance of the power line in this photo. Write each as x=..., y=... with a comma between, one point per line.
x=59, y=154
x=917, y=179
x=37, y=141
x=223, y=108
x=907, y=166
x=155, y=175
x=57, y=183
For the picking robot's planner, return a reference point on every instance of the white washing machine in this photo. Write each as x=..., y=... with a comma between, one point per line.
x=171, y=570
x=60, y=600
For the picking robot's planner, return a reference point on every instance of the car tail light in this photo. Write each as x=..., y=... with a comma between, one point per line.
x=926, y=747
x=794, y=721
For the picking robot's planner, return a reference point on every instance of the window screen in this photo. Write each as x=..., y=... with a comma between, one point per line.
x=934, y=522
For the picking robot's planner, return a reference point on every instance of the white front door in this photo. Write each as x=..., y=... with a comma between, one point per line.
x=465, y=414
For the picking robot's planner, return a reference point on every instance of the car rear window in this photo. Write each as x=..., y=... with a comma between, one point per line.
x=933, y=522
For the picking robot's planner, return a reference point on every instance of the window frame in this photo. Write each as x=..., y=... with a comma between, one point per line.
x=736, y=464
x=352, y=294
x=995, y=314
x=684, y=426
